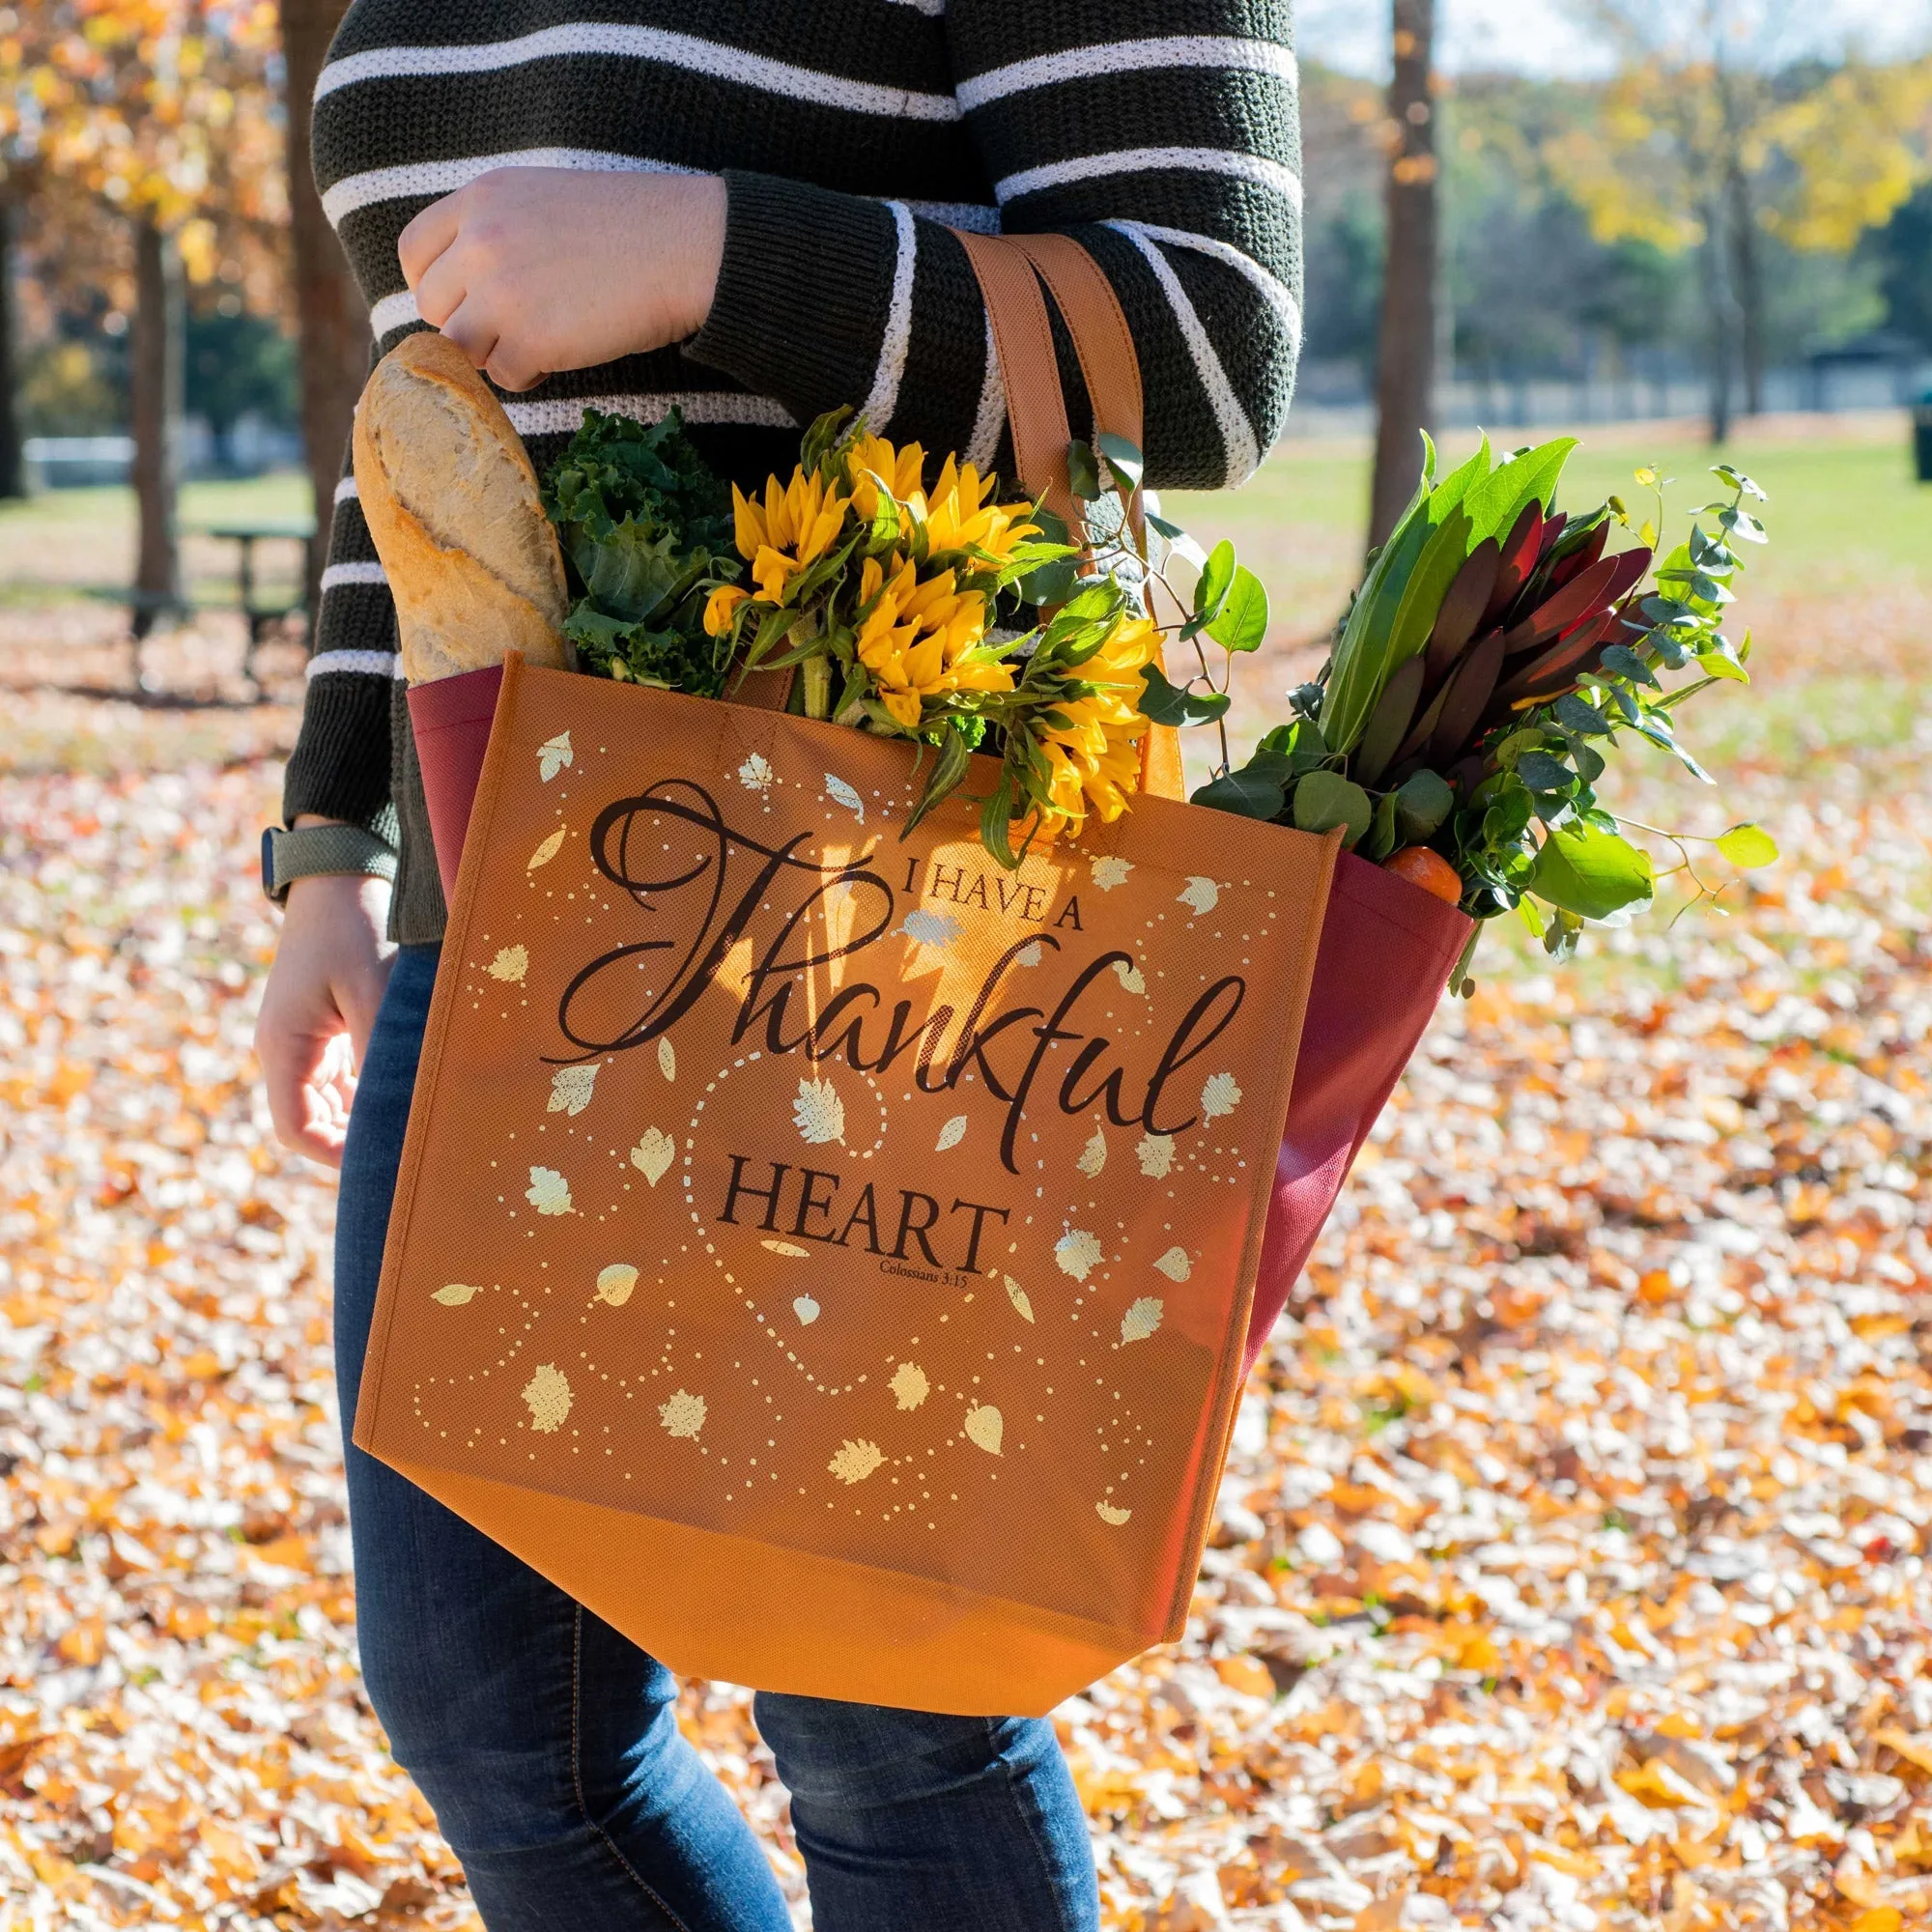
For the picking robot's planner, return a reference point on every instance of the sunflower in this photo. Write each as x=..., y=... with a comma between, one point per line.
x=922, y=640
x=791, y=531
x=871, y=458
x=956, y=515
x=1095, y=750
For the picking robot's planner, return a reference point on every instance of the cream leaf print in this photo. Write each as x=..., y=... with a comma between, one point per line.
x=1141, y=1319
x=818, y=1113
x=1131, y=978
x=1109, y=1514
x=909, y=1385
x=806, y=1310
x=1220, y=1094
x=553, y=754
x=950, y=1134
x=1177, y=1264
x=616, y=1282
x=1111, y=872
x=840, y=793
x=653, y=1153
x=985, y=1428
x=456, y=1295
x=931, y=928
x=1077, y=1251
x=1017, y=1296
x=789, y=1249
x=1094, y=1156
x=547, y=850
x=510, y=964
x=756, y=773
x=548, y=1394
x=1201, y=895
x=666, y=1058
x=570, y=1089
x=1155, y=1154
x=549, y=1192
x=856, y=1460
x=683, y=1414
x=1029, y=956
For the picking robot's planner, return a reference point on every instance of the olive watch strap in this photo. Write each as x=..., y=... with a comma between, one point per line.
x=318, y=849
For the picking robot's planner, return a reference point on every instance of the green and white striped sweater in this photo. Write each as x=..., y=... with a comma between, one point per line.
x=1163, y=134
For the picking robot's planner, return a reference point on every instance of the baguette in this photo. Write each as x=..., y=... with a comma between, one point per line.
x=452, y=504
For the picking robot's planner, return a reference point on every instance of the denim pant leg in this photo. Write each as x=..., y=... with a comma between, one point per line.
x=945, y=1824
x=547, y=1742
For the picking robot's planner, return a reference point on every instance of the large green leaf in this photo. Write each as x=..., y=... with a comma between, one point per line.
x=1440, y=563
x=1325, y=800
x=1591, y=872
x=1243, y=622
x=1495, y=504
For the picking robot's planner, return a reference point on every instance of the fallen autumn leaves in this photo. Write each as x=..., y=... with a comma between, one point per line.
x=1570, y=1571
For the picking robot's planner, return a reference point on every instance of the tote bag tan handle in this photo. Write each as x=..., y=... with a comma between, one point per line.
x=1009, y=269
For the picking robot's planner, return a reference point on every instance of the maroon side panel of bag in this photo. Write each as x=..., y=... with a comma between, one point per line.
x=450, y=719
x=1387, y=948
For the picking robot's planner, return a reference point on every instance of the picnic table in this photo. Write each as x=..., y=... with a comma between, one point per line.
x=245, y=536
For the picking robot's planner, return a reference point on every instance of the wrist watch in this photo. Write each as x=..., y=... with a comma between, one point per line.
x=320, y=849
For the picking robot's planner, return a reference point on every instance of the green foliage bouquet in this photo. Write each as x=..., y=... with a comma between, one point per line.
x=1497, y=656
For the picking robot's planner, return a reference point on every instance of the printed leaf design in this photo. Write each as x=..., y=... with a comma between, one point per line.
x=1155, y=1154
x=549, y=849
x=818, y=1113
x=840, y=793
x=653, y=1153
x=616, y=1282
x=756, y=773
x=1130, y=977
x=789, y=1249
x=683, y=1414
x=1111, y=872
x=1029, y=956
x=950, y=1134
x=856, y=1460
x=1094, y=1156
x=909, y=1385
x=548, y=1394
x=1202, y=895
x=1141, y=1319
x=570, y=1088
x=1017, y=1296
x=455, y=1295
x=1077, y=1252
x=553, y=754
x=510, y=964
x=1220, y=1094
x=549, y=1193
x=1177, y=1264
x=666, y=1058
x=985, y=1428
x=931, y=928
x=1109, y=1514
x=806, y=1310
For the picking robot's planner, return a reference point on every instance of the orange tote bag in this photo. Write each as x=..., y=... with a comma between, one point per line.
x=823, y=1253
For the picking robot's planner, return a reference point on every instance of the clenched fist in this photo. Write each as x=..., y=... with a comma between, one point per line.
x=533, y=270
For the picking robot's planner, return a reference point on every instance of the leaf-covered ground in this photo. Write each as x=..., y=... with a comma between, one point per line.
x=1571, y=1567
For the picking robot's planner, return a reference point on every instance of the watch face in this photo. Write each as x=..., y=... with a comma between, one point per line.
x=268, y=860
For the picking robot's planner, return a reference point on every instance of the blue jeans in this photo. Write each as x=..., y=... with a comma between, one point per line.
x=549, y=1745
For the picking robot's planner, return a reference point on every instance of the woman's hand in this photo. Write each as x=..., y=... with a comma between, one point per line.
x=319, y=1005
x=532, y=269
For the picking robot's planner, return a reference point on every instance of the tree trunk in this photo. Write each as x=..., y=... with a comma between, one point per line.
x=1406, y=358
x=13, y=472
x=1747, y=285
x=160, y=325
x=329, y=310
x=1719, y=313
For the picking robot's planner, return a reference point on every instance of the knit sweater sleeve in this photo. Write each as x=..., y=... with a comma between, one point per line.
x=341, y=762
x=1162, y=134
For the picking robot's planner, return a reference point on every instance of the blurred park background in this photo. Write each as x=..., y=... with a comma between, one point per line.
x=1572, y=1566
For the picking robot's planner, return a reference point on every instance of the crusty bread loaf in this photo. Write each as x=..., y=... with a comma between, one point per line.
x=452, y=502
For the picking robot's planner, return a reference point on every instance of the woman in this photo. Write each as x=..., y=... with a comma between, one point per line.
x=741, y=206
